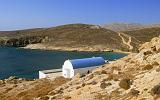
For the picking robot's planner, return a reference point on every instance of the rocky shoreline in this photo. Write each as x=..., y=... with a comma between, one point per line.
x=40, y=46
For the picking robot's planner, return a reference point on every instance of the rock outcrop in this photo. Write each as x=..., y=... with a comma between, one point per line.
x=22, y=41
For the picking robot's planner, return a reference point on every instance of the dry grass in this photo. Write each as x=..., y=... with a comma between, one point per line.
x=38, y=88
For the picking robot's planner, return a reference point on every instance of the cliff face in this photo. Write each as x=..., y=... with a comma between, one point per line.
x=135, y=77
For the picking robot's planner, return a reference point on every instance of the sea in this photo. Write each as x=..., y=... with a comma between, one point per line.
x=26, y=63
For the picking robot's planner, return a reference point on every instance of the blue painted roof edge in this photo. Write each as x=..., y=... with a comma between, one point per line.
x=87, y=62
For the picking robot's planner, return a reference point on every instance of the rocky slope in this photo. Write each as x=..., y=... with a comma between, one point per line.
x=21, y=89
x=135, y=77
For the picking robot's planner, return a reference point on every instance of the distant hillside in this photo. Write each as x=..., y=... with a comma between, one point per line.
x=143, y=35
x=138, y=33
x=128, y=26
x=123, y=26
x=79, y=37
x=69, y=36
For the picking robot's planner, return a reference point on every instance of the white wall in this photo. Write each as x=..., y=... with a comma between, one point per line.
x=67, y=69
x=49, y=75
x=84, y=70
x=69, y=72
x=41, y=75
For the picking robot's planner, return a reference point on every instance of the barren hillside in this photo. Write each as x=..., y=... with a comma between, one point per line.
x=78, y=37
x=135, y=77
x=68, y=36
x=123, y=26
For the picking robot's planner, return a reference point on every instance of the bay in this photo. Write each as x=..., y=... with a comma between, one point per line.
x=26, y=63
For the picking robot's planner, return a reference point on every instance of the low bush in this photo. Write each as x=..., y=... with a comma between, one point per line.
x=125, y=83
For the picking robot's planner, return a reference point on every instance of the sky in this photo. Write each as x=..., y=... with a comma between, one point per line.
x=24, y=14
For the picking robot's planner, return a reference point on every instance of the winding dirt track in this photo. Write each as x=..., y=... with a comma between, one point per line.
x=128, y=43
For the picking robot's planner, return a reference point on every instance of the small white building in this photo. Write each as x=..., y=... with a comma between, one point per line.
x=81, y=66
x=51, y=74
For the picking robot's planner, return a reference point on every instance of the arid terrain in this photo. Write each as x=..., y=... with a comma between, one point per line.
x=134, y=77
x=128, y=26
x=80, y=37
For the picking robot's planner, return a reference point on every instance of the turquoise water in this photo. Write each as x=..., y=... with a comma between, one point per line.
x=26, y=63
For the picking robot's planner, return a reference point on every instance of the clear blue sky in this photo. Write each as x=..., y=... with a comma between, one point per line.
x=20, y=14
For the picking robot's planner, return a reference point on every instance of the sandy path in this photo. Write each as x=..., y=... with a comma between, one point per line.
x=125, y=42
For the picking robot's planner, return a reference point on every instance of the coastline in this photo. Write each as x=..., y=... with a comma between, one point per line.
x=71, y=49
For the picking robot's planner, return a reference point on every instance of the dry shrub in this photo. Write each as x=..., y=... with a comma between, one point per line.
x=67, y=97
x=155, y=90
x=89, y=77
x=93, y=82
x=134, y=92
x=102, y=96
x=121, y=75
x=108, y=84
x=78, y=87
x=115, y=68
x=110, y=77
x=148, y=67
x=154, y=48
x=97, y=73
x=127, y=59
x=132, y=61
x=103, y=72
x=125, y=83
x=158, y=69
x=44, y=98
x=83, y=84
x=114, y=77
x=128, y=74
x=115, y=93
x=147, y=52
x=39, y=88
x=103, y=85
x=142, y=99
x=155, y=63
